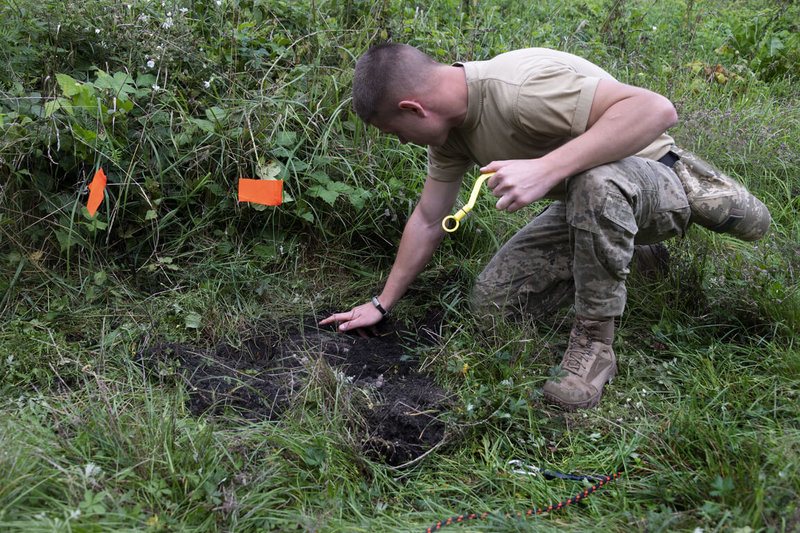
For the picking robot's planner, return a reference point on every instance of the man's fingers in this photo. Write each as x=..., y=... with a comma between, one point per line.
x=362, y=318
x=493, y=182
x=337, y=318
x=494, y=166
x=504, y=202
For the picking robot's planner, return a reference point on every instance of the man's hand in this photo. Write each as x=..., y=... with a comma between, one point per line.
x=519, y=182
x=358, y=318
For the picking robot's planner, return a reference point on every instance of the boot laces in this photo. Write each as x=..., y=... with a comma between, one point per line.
x=579, y=352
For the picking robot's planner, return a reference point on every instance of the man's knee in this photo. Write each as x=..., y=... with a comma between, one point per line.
x=490, y=302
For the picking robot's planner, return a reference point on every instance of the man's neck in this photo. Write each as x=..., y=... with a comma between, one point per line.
x=451, y=96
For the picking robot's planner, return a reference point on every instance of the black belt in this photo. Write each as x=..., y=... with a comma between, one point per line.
x=669, y=159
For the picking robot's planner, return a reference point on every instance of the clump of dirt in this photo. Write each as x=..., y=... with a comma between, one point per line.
x=262, y=378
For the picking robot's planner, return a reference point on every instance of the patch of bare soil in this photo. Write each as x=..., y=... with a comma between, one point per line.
x=261, y=379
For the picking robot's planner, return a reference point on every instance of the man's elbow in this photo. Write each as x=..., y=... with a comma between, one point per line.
x=667, y=114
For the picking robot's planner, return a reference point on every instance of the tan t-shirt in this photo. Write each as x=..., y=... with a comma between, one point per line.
x=522, y=105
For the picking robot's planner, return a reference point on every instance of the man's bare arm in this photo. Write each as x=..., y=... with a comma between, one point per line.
x=623, y=120
x=422, y=234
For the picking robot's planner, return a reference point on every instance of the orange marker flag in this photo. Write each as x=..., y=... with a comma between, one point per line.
x=266, y=192
x=96, y=188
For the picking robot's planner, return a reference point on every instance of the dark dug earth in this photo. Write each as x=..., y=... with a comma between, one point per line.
x=398, y=419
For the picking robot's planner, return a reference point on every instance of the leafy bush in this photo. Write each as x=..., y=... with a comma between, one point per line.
x=176, y=106
x=768, y=42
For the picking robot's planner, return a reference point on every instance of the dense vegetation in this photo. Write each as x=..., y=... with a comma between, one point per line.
x=177, y=100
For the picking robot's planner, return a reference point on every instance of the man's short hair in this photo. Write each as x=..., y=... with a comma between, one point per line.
x=386, y=74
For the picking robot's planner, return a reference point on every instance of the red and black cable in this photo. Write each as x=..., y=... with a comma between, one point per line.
x=602, y=480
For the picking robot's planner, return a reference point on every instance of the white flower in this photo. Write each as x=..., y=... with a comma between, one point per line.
x=207, y=84
x=167, y=23
x=183, y=10
x=155, y=87
x=219, y=2
x=98, y=30
x=91, y=470
x=151, y=64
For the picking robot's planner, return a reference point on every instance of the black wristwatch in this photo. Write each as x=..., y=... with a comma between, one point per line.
x=379, y=307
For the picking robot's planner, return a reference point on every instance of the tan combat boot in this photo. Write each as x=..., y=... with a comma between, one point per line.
x=718, y=202
x=589, y=362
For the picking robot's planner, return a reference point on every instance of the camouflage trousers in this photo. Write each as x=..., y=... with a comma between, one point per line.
x=579, y=250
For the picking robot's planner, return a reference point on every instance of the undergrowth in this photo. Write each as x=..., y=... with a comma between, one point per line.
x=178, y=100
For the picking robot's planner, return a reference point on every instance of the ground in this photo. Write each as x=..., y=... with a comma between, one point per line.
x=397, y=416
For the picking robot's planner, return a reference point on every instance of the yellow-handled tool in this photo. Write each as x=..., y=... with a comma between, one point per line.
x=476, y=189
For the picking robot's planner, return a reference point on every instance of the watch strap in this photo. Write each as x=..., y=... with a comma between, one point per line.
x=378, y=306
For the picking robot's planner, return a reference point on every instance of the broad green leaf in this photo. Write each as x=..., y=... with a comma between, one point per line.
x=86, y=135
x=286, y=138
x=319, y=191
x=68, y=84
x=66, y=239
x=264, y=251
x=125, y=105
x=123, y=82
x=269, y=171
x=119, y=83
x=322, y=160
x=204, y=125
x=339, y=186
x=320, y=177
x=98, y=225
x=144, y=84
x=192, y=320
x=299, y=166
x=85, y=97
x=775, y=46
x=145, y=80
x=280, y=151
x=216, y=114
x=100, y=277
x=51, y=106
x=358, y=198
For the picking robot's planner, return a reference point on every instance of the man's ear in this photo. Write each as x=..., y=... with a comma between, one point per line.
x=413, y=106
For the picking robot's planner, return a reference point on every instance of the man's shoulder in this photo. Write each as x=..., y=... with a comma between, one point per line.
x=517, y=66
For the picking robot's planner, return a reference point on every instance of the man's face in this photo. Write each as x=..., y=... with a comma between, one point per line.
x=423, y=129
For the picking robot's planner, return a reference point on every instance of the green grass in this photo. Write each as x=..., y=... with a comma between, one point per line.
x=702, y=419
